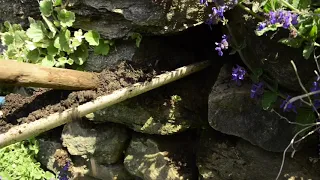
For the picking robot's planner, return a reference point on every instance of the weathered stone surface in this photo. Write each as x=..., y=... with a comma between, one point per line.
x=122, y=51
x=232, y=111
x=266, y=53
x=89, y=168
x=222, y=157
x=103, y=142
x=18, y=11
x=52, y=155
x=157, y=158
x=117, y=18
x=154, y=112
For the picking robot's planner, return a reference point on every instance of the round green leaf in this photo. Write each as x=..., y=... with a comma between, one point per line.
x=35, y=32
x=66, y=18
x=92, y=37
x=46, y=7
x=102, y=49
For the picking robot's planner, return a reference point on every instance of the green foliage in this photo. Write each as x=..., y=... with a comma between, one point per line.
x=137, y=37
x=269, y=97
x=305, y=33
x=51, y=42
x=18, y=162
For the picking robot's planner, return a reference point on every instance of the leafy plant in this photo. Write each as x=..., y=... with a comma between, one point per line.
x=50, y=42
x=18, y=162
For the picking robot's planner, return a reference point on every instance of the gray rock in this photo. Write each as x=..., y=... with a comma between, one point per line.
x=18, y=11
x=154, y=112
x=121, y=51
x=89, y=168
x=161, y=157
x=266, y=53
x=222, y=157
x=232, y=111
x=103, y=142
x=117, y=18
x=52, y=155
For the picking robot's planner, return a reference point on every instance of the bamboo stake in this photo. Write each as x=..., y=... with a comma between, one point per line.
x=33, y=75
x=25, y=131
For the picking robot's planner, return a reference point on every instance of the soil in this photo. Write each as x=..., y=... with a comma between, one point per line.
x=19, y=109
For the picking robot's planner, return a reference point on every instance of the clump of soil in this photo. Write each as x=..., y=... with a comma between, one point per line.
x=19, y=109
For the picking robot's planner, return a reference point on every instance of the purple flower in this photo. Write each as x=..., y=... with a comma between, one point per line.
x=257, y=90
x=238, y=74
x=289, y=107
x=223, y=45
x=204, y=2
x=261, y=26
x=63, y=173
x=283, y=17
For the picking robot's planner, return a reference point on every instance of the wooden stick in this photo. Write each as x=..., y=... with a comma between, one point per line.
x=25, y=74
x=25, y=131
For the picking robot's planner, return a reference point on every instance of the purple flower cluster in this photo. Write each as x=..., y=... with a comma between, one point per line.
x=283, y=17
x=290, y=106
x=223, y=45
x=63, y=173
x=218, y=11
x=238, y=74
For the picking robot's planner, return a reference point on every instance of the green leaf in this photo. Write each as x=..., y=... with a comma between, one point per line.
x=48, y=61
x=256, y=75
x=137, y=37
x=66, y=18
x=292, y=42
x=92, y=37
x=19, y=38
x=35, y=32
x=57, y=2
x=314, y=32
x=62, y=42
x=103, y=48
x=51, y=27
x=80, y=55
x=266, y=29
x=52, y=50
x=62, y=61
x=33, y=56
x=77, y=39
x=46, y=7
x=268, y=99
x=300, y=4
x=7, y=39
x=308, y=49
x=304, y=116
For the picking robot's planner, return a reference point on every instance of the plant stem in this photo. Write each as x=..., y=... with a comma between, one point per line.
x=290, y=6
x=250, y=12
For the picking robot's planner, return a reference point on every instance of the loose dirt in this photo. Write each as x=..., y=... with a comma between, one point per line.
x=19, y=109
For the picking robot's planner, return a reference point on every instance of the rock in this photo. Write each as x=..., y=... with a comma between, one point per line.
x=88, y=168
x=18, y=11
x=118, y=19
x=232, y=111
x=160, y=111
x=266, y=53
x=221, y=157
x=103, y=142
x=161, y=157
x=122, y=51
x=52, y=155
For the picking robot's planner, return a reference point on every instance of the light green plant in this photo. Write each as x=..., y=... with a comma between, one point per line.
x=18, y=162
x=50, y=42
